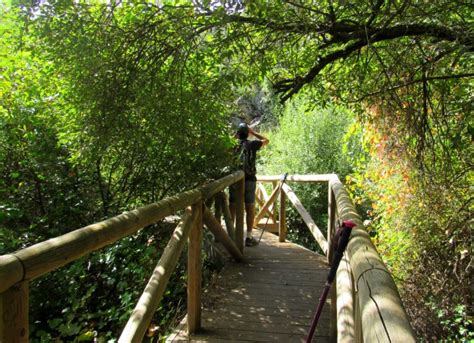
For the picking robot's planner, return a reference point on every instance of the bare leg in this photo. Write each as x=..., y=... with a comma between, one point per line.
x=250, y=216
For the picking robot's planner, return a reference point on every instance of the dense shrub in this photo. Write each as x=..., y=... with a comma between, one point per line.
x=311, y=140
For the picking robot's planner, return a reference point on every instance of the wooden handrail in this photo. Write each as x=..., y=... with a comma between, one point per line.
x=151, y=297
x=17, y=269
x=221, y=198
x=318, y=236
x=41, y=258
x=382, y=315
x=368, y=304
x=298, y=178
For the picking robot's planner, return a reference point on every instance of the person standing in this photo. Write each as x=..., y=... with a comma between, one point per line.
x=247, y=153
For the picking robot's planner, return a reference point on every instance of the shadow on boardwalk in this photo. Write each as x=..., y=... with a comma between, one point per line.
x=270, y=297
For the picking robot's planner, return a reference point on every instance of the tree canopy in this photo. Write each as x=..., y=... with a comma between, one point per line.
x=106, y=106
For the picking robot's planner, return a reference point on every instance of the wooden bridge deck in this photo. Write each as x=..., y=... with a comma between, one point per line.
x=270, y=297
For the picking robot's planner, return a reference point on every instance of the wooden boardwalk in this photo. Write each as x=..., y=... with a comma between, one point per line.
x=270, y=297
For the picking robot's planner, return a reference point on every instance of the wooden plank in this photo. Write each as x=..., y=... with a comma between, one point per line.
x=229, y=223
x=229, y=315
x=271, y=281
x=250, y=301
x=273, y=295
x=14, y=309
x=282, y=215
x=195, y=271
x=383, y=315
x=151, y=297
x=298, y=178
x=234, y=323
x=215, y=227
x=253, y=336
x=306, y=217
x=270, y=304
x=268, y=226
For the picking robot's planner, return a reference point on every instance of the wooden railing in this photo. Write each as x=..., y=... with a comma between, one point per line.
x=19, y=268
x=366, y=303
x=367, y=306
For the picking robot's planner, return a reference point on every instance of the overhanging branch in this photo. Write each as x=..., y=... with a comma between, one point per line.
x=362, y=37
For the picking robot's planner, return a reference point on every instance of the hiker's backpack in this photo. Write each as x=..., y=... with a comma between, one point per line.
x=247, y=157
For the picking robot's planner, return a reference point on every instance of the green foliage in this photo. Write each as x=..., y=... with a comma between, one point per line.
x=310, y=140
x=421, y=228
x=84, y=136
x=104, y=107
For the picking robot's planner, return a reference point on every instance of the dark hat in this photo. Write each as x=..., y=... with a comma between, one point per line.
x=243, y=131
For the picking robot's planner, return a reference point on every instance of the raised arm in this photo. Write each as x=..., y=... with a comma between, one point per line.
x=264, y=139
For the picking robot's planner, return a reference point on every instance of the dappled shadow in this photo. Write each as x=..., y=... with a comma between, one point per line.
x=269, y=297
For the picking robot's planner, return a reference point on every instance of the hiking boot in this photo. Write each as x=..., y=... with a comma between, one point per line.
x=250, y=242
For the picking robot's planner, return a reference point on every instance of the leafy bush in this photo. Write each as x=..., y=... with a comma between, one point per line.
x=310, y=140
x=421, y=228
x=75, y=148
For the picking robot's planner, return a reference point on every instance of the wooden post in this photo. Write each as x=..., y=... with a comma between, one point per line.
x=221, y=236
x=239, y=214
x=218, y=206
x=331, y=223
x=263, y=199
x=14, y=313
x=306, y=217
x=194, y=272
x=266, y=206
x=229, y=223
x=282, y=224
x=142, y=315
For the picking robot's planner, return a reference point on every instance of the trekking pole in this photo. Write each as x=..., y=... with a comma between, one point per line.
x=282, y=180
x=342, y=238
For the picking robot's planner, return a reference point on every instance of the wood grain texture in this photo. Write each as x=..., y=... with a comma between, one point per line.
x=195, y=271
x=11, y=271
x=379, y=310
x=259, y=300
x=14, y=309
x=143, y=313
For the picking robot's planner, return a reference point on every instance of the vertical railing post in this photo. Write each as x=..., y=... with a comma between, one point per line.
x=14, y=313
x=239, y=214
x=195, y=271
x=218, y=207
x=331, y=222
x=282, y=219
x=330, y=238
